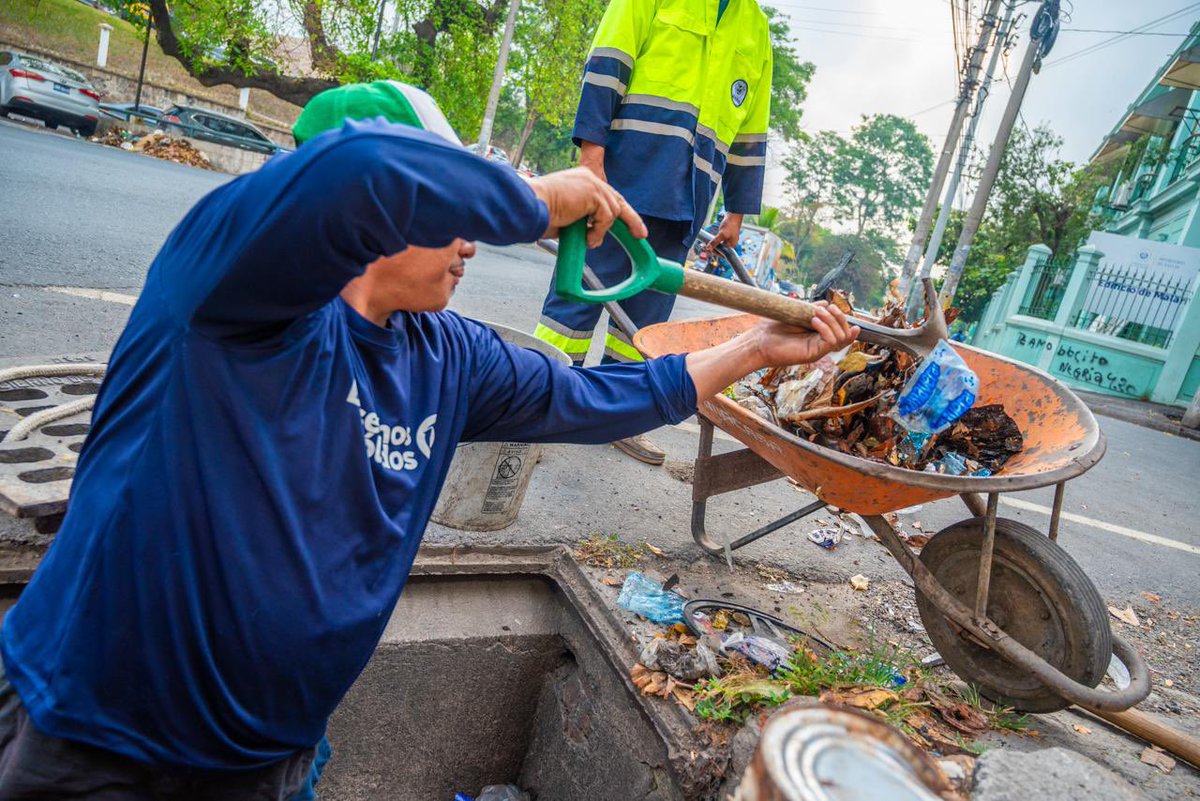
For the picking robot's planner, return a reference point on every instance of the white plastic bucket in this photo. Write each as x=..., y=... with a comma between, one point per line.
x=487, y=480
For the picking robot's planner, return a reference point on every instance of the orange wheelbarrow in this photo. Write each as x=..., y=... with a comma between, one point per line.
x=1005, y=606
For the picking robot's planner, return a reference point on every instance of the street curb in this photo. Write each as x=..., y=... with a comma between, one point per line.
x=1138, y=414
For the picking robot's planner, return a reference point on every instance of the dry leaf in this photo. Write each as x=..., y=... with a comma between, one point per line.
x=1158, y=759
x=611, y=581
x=1152, y=597
x=1126, y=615
x=656, y=551
x=860, y=582
x=1081, y=729
x=861, y=698
x=959, y=714
x=1168, y=683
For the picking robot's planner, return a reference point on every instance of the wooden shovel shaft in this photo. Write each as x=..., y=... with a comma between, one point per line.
x=751, y=300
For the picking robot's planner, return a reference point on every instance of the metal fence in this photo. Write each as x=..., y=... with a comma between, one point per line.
x=1047, y=285
x=1133, y=304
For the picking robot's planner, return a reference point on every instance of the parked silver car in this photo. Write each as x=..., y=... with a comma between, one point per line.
x=57, y=95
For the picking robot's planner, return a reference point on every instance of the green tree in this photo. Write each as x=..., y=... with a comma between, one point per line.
x=550, y=47
x=789, y=78
x=871, y=181
x=1037, y=198
x=867, y=275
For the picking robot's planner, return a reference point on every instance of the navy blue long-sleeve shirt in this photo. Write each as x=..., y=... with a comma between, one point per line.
x=263, y=460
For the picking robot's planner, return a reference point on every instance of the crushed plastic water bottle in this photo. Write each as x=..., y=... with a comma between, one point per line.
x=940, y=392
x=646, y=598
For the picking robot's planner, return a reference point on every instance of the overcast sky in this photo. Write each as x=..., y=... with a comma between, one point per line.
x=897, y=57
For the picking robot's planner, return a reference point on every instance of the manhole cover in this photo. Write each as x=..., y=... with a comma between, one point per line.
x=36, y=472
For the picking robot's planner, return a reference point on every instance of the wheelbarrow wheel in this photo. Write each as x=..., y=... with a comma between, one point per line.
x=1038, y=595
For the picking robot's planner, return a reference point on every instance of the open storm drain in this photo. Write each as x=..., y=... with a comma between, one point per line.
x=500, y=667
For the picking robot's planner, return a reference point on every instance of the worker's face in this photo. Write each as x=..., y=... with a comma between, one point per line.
x=419, y=279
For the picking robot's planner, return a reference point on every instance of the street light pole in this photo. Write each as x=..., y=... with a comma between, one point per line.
x=964, y=153
x=489, y=111
x=967, y=88
x=1042, y=35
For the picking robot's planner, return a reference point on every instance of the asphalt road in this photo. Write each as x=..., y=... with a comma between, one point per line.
x=89, y=219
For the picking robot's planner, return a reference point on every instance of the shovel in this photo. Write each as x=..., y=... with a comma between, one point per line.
x=661, y=275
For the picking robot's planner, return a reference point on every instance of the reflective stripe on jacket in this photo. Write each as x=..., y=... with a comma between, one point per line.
x=680, y=103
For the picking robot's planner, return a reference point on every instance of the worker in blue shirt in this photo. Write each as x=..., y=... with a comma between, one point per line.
x=276, y=423
x=675, y=103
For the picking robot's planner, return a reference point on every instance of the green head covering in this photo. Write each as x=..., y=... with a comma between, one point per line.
x=394, y=101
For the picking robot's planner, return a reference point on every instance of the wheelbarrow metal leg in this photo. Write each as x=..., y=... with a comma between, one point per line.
x=1056, y=513
x=759, y=533
x=715, y=475
x=985, y=557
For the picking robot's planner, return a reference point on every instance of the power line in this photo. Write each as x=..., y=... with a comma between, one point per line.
x=1121, y=37
x=827, y=9
x=811, y=29
x=1124, y=33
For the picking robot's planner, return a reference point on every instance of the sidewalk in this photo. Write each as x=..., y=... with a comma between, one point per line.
x=1156, y=416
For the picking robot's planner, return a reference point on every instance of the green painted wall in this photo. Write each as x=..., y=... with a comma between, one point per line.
x=1191, y=382
x=1081, y=361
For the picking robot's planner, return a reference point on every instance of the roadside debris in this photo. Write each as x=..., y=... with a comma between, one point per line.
x=647, y=598
x=608, y=552
x=1155, y=756
x=860, y=582
x=862, y=404
x=685, y=658
x=1126, y=615
x=828, y=537
x=156, y=144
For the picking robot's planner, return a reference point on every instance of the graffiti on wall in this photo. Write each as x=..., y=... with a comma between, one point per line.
x=1082, y=365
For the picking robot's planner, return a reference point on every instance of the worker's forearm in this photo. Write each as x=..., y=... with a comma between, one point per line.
x=714, y=369
x=591, y=155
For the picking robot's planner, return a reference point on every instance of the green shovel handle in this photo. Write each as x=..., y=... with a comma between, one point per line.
x=649, y=271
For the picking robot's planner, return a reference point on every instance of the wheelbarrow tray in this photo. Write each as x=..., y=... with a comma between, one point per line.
x=1062, y=438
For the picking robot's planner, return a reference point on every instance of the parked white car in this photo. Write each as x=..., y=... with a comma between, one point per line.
x=57, y=95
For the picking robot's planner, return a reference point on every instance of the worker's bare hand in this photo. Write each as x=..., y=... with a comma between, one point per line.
x=729, y=233
x=780, y=345
x=577, y=193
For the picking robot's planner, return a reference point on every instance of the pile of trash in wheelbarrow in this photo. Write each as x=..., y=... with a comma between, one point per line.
x=852, y=405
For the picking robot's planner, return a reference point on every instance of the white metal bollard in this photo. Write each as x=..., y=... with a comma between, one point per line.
x=102, y=53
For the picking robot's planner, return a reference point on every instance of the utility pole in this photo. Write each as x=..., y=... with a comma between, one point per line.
x=964, y=154
x=378, y=29
x=1042, y=36
x=966, y=89
x=489, y=112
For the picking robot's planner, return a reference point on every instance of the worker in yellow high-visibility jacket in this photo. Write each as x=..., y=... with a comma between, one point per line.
x=675, y=103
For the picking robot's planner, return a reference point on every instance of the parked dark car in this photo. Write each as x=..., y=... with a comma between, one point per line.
x=200, y=123
x=53, y=93
x=123, y=111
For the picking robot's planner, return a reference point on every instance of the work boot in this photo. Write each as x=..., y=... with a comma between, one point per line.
x=642, y=449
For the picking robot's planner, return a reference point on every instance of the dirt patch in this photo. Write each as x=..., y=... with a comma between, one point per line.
x=1168, y=638
x=680, y=470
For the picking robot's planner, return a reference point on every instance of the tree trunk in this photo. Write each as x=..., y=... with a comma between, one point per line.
x=519, y=153
x=286, y=87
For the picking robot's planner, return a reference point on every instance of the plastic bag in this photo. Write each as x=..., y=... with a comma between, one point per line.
x=942, y=390
x=676, y=659
x=502, y=792
x=767, y=652
x=793, y=397
x=645, y=597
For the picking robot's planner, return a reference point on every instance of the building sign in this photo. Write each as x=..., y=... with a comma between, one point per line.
x=1139, y=281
